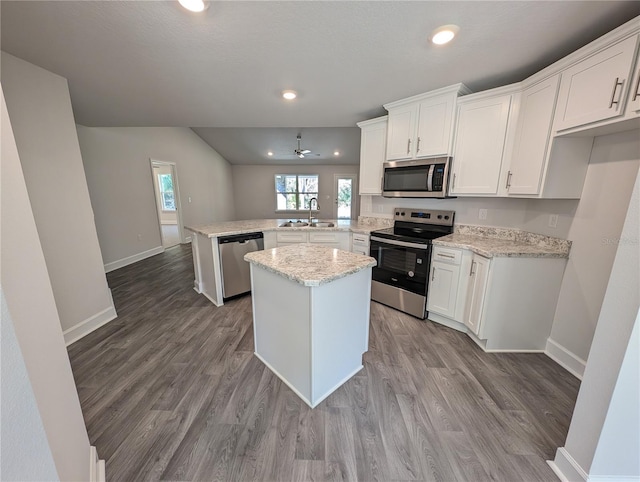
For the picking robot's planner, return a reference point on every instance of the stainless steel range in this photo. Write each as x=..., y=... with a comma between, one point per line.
x=403, y=252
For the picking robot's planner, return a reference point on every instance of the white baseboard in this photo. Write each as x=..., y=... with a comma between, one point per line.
x=613, y=478
x=436, y=318
x=566, y=468
x=566, y=359
x=92, y=323
x=121, y=263
x=96, y=467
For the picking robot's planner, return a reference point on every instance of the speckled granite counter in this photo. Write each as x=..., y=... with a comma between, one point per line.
x=229, y=228
x=310, y=264
x=502, y=242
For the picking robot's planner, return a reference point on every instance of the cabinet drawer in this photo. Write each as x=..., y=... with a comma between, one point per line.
x=323, y=237
x=360, y=250
x=446, y=255
x=360, y=239
x=291, y=237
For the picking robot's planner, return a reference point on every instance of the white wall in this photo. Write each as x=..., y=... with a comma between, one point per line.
x=611, y=339
x=527, y=214
x=40, y=110
x=595, y=230
x=619, y=444
x=36, y=324
x=255, y=191
x=116, y=161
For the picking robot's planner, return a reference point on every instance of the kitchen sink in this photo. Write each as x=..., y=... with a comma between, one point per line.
x=321, y=224
x=294, y=224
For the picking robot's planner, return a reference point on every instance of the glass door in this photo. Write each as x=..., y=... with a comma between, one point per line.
x=344, y=194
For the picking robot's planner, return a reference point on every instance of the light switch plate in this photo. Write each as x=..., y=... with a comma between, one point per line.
x=482, y=214
x=553, y=220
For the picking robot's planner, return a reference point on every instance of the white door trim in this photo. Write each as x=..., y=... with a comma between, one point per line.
x=176, y=190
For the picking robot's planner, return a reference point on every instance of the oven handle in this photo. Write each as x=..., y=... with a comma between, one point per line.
x=400, y=243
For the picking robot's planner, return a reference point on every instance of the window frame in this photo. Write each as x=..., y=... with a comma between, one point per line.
x=298, y=194
x=162, y=192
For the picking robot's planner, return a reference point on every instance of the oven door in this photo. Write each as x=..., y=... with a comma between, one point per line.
x=401, y=264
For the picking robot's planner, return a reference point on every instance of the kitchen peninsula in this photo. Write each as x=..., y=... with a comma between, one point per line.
x=206, y=253
x=311, y=315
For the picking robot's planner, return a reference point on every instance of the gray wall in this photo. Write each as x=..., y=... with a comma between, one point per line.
x=40, y=111
x=615, y=325
x=118, y=169
x=595, y=228
x=36, y=324
x=255, y=196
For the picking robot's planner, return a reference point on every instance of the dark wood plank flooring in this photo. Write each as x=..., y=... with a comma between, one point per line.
x=170, y=390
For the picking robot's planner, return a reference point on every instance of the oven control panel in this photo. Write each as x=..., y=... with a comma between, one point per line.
x=424, y=216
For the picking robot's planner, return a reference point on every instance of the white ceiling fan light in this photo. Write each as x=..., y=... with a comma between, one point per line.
x=195, y=5
x=444, y=34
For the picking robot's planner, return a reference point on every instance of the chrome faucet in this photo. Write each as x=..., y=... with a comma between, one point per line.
x=311, y=206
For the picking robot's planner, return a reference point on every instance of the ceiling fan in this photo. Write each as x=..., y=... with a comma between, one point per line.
x=299, y=151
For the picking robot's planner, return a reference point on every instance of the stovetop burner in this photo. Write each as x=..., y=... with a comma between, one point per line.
x=418, y=226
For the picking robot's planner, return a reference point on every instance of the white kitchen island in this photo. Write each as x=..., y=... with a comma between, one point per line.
x=311, y=315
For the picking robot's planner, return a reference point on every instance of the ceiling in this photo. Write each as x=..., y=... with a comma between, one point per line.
x=151, y=63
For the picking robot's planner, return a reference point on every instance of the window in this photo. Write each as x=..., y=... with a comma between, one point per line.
x=165, y=182
x=294, y=191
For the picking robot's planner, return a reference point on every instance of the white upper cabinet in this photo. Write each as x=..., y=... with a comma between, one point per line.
x=595, y=89
x=373, y=144
x=633, y=108
x=422, y=126
x=533, y=133
x=481, y=134
x=400, y=133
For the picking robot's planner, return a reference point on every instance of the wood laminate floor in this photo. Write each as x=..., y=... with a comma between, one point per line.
x=170, y=390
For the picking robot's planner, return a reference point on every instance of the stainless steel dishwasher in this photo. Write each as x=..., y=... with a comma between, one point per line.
x=236, y=278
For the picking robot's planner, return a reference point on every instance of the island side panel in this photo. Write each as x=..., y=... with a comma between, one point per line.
x=197, y=286
x=340, y=331
x=209, y=259
x=281, y=327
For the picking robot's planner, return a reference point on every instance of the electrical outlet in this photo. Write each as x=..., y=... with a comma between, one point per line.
x=380, y=208
x=189, y=199
x=482, y=214
x=553, y=220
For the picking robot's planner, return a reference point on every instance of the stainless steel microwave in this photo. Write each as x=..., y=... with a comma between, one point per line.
x=417, y=178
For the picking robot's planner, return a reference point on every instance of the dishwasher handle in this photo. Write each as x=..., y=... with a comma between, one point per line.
x=240, y=238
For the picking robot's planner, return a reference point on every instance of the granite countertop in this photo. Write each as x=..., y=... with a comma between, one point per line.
x=503, y=242
x=228, y=228
x=310, y=264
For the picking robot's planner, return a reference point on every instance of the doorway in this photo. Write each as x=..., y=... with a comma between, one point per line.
x=344, y=196
x=165, y=188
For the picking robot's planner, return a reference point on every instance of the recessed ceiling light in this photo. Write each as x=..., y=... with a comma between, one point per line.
x=289, y=94
x=444, y=34
x=195, y=5
x=269, y=153
x=336, y=153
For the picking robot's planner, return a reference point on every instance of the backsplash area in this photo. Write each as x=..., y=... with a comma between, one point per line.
x=532, y=215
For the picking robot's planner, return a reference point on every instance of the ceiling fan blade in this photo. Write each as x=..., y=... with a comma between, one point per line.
x=305, y=151
x=301, y=155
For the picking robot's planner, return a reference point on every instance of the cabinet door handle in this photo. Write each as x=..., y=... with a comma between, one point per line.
x=471, y=272
x=508, y=179
x=613, y=94
x=446, y=256
x=453, y=183
x=408, y=146
x=418, y=146
x=637, y=89
x=433, y=273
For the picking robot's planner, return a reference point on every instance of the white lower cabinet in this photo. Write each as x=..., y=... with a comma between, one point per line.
x=360, y=243
x=478, y=277
x=332, y=239
x=503, y=303
x=447, y=288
